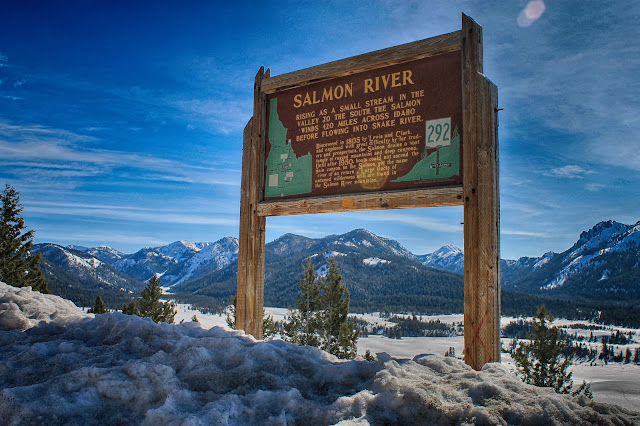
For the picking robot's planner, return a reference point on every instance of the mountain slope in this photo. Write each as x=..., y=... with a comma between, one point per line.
x=602, y=265
x=178, y=261
x=449, y=257
x=380, y=274
x=105, y=253
x=80, y=277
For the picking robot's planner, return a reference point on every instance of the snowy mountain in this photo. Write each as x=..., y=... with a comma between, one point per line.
x=105, y=253
x=79, y=276
x=604, y=264
x=84, y=265
x=449, y=257
x=380, y=274
x=177, y=262
x=62, y=366
x=81, y=273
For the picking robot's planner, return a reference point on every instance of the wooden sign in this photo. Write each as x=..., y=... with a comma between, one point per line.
x=409, y=126
x=390, y=128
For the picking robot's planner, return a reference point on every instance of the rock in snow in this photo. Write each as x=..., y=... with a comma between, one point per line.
x=61, y=366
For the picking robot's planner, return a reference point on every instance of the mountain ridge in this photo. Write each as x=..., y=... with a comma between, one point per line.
x=602, y=264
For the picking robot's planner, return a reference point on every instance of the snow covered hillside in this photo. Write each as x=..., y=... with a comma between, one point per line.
x=176, y=262
x=449, y=257
x=60, y=366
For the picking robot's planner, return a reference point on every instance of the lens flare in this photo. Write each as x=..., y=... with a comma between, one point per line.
x=372, y=174
x=531, y=13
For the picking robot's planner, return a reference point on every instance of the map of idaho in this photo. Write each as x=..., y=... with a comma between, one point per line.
x=286, y=174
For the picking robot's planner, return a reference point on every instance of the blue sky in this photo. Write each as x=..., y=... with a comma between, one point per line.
x=121, y=122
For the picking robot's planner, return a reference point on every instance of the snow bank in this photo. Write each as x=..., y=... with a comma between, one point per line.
x=22, y=308
x=69, y=368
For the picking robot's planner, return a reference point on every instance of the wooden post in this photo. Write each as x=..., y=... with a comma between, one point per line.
x=481, y=205
x=250, y=295
x=479, y=192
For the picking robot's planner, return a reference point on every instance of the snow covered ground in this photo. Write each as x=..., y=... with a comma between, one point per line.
x=61, y=366
x=614, y=383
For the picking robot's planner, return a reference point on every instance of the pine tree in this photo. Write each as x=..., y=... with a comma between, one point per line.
x=338, y=336
x=18, y=267
x=321, y=317
x=131, y=308
x=269, y=327
x=541, y=362
x=150, y=305
x=99, y=307
x=303, y=324
x=231, y=313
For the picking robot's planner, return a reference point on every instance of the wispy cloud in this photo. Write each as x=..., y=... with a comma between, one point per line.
x=586, y=91
x=100, y=238
x=294, y=229
x=61, y=152
x=413, y=220
x=523, y=233
x=225, y=116
x=136, y=214
x=571, y=171
x=594, y=187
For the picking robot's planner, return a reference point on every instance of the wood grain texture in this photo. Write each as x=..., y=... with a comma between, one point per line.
x=243, y=238
x=250, y=295
x=481, y=205
x=472, y=318
x=433, y=197
x=393, y=55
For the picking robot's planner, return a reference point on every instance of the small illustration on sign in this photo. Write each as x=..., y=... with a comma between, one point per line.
x=445, y=161
x=287, y=174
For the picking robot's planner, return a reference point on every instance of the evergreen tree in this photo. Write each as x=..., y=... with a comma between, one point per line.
x=269, y=327
x=18, y=267
x=303, y=324
x=368, y=356
x=150, y=305
x=99, y=307
x=131, y=308
x=321, y=317
x=231, y=313
x=541, y=362
x=338, y=336
x=604, y=352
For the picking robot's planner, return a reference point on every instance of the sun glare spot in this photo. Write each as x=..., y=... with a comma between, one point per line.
x=372, y=174
x=531, y=13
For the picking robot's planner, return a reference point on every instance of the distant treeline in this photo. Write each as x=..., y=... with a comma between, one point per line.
x=513, y=304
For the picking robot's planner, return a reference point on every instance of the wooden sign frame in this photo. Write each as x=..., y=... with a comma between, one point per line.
x=479, y=192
